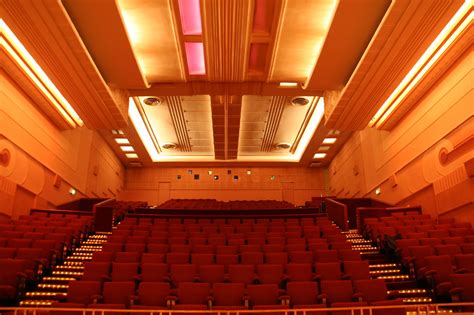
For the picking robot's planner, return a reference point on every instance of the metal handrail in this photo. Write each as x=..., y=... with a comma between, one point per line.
x=415, y=308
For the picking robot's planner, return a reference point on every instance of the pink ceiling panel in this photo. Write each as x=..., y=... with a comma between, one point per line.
x=190, y=14
x=195, y=58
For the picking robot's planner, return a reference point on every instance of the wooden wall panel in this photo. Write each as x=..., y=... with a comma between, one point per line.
x=439, y=126
x=143, y=184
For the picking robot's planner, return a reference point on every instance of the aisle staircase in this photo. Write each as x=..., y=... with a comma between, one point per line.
x=53, y=287
x=382, y=268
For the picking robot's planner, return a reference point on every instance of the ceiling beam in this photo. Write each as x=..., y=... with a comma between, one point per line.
x=221, y=88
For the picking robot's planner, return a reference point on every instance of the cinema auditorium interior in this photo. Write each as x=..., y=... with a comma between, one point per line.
x=270, y=157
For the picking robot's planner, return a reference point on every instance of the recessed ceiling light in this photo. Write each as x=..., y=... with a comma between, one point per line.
x=169, y=146
x=283, y=145
x=324, y=148
x=127, y=148
x=209, y=172
x=132, y=155
x=152, y=101
x=320, y=155
x=249, y=172
x=300, y=101
x=122, y=141
x=329, y=140
x=288, y=84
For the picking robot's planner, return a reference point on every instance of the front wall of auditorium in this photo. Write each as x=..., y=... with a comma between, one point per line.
x=405, y=162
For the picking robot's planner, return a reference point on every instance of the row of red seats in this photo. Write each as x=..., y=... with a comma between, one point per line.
x=250, y=257
x=222, y=221
x=247, y=274
x=31, y=246
x=234, y=296
x=212, y=204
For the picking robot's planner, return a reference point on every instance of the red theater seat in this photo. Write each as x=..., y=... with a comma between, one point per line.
x=154, y=272
x=339, y=293
x=193, y=296
x=116, y=295
x=270, y=274
x=79, y=295
x=304, y=295
x=183, y=273
x=96, y=271
x=299, y=272
x=357, y=270
x=328, y=270
x=374, y=292
x=265, y=296
x=242, y=274
x=152, y=295
x=228, y=296
x=12, y=279
x=124, y=271
x=212, y=273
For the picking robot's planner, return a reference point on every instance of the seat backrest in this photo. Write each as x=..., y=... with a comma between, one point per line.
x=127, y=257
x=193, y=293
x=276, y=258
x=202, y=259
x=251, y=258
x=337, y=290
x=329, y=255
x=183, y=273
x=270, y=273
x=228, y=294
x=328, y=270
x=372, y=290
x=466, y=283
x=153, y=293
x=152, y=258
x=442, y=265
x=299, y=272
x=263, y=294
x=357, y=269
x=124, y=271
x=103, y=256
x=465, y=261
x=241, y=273
x=9, y=268
x=302, y=293
x=211, y=273
x=93, y=271
x=349, y=255
x=82, y=291
x=118, y=292
x=154, y=272
x=177, y=258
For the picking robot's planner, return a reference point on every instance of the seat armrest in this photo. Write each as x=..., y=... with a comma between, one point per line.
x=358, y=297
x=346, y=276
x=463, y=270
x=133, y=299
x=96, y=298
x=444, y=286
x=105, y=278
x=430, y=273
x=456, y=290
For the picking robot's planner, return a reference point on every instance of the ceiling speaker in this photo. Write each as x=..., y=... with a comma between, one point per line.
x=392, y=181
x=469, y=165
x=57, y=181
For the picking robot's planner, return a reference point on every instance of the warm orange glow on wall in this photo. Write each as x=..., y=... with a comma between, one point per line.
x=18, y=53
x=455, y=27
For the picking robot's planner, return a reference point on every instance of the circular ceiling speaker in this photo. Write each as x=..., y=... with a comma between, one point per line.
x=283, y=145
x=152, y=101
x=169, y=146
x=300, y=101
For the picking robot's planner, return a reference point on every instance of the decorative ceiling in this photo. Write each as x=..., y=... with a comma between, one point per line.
x=218, y=81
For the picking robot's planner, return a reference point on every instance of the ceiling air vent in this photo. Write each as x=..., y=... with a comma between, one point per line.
x=135, y=164
x=169, y=146
x=300, y=101
x=283, y=146
x=152, y=101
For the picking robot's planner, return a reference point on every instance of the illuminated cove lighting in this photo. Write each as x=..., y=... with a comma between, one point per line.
x=455, y=27
x=142, y=130
x=18, y=53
